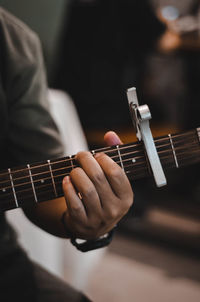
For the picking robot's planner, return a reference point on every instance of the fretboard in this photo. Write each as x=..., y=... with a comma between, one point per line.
x=33, y=183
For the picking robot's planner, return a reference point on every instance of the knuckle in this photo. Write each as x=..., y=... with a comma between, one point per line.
x=130, y=200
x=113, y=214
x=98, y=177
x=125, y=211
x=88, y=192
x=76, y=210
x=127, y=196
x=127, y=205
x=115, y=172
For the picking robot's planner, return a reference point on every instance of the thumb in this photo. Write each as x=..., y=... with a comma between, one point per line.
x=111, y=138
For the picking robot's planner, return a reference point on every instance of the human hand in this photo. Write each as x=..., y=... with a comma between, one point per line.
x=105, y=194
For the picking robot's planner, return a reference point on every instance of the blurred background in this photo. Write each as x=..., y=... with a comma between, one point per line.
x=94, y=50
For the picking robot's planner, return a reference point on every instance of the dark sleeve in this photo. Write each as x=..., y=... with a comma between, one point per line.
x=32, y=134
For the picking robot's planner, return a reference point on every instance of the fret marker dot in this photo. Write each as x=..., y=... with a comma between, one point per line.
x=3, y=190
x=42, y=181
x=133, y=160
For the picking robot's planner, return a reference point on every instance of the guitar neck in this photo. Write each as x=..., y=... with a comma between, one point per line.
x=33, y=183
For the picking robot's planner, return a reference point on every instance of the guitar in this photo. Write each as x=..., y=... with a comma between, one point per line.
x=42, y=181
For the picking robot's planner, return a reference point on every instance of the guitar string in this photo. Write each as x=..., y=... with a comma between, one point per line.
x=70, y=167
x=142, y=174
x=46, y=185
x=55, y=176
x=137, y=145
x=69, y=160
x=51, y=190
x=113, y=157
x=158, y=139
x=109, y=149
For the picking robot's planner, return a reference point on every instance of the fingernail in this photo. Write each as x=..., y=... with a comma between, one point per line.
x=97, y=155
x=66, y=179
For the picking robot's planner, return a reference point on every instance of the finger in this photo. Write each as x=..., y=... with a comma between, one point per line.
x=97, y=176
x=74, y=204
x=90, y=197
x=111, y=139
x=115, y=175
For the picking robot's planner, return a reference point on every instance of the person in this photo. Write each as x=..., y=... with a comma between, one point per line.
x=29, y=134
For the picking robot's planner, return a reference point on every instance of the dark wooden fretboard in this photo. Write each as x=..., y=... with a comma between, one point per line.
x=43, y=181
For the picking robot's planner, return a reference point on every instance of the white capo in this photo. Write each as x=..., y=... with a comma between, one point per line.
x=140, y=117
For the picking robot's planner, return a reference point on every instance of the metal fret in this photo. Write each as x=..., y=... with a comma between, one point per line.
x=13, y=189
x=173, y=150
x=71, y=160
x=43, y=181
x=198, y=133
x=118, y=150
x=53, y=182
x=32, y=183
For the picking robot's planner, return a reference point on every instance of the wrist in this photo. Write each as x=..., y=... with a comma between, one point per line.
x=87, y=245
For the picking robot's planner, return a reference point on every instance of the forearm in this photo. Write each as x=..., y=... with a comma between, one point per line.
x=47, y=216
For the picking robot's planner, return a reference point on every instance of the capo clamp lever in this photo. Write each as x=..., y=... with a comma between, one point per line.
x=140, y=116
